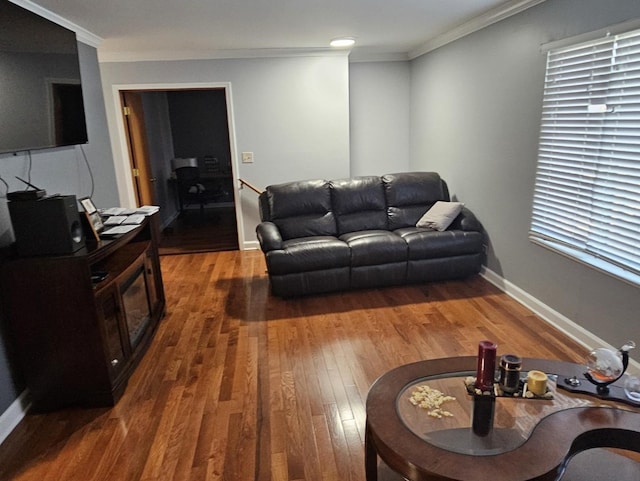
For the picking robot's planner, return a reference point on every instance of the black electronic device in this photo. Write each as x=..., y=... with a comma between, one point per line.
x=47, y=226
x=35, y=194
x=41, y=105
x=19, y=195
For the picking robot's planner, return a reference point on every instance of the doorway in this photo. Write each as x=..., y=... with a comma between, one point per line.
x=163, y=127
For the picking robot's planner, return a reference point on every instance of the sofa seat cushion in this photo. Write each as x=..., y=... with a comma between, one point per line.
x=372, y=247
x=308, y=254
x=428, y=244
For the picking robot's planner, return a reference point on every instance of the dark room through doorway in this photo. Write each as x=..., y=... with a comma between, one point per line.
x=167, y=130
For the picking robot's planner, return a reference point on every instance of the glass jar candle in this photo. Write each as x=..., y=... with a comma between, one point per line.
x=510, y=366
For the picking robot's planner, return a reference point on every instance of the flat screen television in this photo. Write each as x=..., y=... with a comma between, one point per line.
x=41, y=103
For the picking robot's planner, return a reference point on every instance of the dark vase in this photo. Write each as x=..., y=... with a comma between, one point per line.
x=483, y=411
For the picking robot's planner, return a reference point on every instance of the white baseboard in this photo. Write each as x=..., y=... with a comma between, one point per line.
x=557, y=320
x=13, y=415
x=250, y=245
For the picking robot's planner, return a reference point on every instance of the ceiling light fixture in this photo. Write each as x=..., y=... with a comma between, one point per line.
x=343, y=42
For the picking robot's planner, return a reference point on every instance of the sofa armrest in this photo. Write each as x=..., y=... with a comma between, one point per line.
x=269, y=236
x=466, y=221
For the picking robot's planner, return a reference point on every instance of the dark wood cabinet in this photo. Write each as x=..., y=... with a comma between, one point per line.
x=77, y=340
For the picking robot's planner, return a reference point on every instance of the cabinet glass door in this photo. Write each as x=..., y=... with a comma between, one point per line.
x=136, y=306
x=108, y=305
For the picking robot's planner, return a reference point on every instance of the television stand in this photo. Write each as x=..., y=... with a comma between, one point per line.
x=80, y=323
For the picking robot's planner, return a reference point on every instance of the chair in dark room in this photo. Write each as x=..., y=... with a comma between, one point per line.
x=191, y=189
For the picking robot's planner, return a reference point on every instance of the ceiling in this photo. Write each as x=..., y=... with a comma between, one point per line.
x=128, y=30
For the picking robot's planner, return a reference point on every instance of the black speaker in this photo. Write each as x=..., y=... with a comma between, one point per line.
x=48, y=226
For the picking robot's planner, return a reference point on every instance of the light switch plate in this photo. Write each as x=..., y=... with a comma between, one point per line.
x=247, y=157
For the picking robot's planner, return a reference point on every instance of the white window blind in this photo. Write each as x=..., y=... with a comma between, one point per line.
x=587, y=191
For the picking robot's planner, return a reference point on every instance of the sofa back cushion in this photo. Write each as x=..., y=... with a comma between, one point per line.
x=410, y=195
x=300, y=209
x=359, y=204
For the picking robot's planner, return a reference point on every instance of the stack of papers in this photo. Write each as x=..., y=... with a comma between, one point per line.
x=119, y=229
x=147, y=209
x=124, y=220
x=144, y=210
x=116, y=211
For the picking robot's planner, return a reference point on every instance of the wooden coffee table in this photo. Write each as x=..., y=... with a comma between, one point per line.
x=530, y=438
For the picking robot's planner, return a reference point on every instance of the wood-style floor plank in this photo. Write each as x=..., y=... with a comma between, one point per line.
x=239, y=385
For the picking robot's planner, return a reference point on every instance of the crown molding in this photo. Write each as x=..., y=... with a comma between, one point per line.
x=477, y=23
x=82, y=35
x=361, y=57
x=164, y=56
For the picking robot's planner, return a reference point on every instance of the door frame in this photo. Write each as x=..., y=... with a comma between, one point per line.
x=124, y=178
x=135, y=130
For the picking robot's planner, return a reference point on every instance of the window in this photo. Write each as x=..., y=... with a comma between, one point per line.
x=587, y=190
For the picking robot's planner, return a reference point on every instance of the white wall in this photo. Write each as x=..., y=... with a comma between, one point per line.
x=379, y=104
x=475, y=116
x=292, y=113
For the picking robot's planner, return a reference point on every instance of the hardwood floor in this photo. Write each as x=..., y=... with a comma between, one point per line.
x=214, y=229
x=239, y=385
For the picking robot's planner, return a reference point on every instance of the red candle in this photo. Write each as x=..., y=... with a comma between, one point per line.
x=486, y=365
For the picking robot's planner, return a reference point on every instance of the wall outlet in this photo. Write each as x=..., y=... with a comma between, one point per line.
x=247, y=157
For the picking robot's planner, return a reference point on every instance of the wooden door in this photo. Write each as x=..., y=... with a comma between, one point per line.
x=142, y=175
